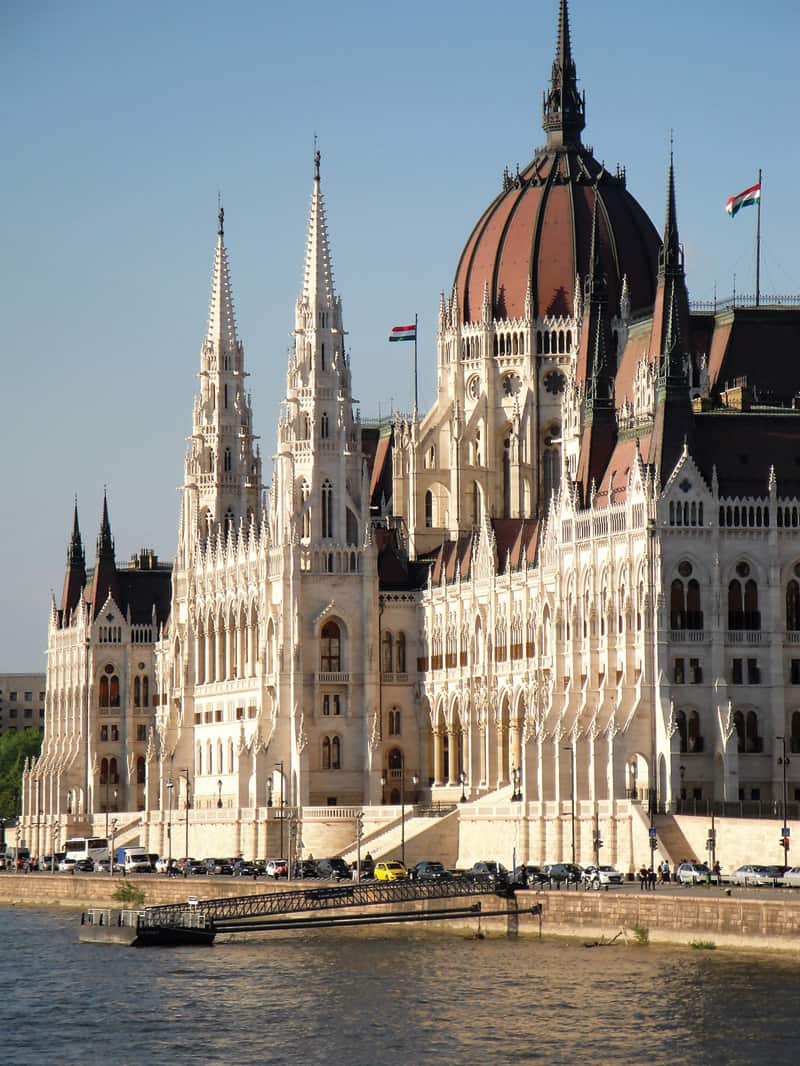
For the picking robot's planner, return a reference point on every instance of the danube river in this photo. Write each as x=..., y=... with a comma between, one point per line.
x=374, y=1000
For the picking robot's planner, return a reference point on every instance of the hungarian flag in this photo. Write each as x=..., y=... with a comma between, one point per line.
x=744, y=199
x=403, y=333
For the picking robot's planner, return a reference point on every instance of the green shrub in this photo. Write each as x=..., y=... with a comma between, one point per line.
x=702, y=945
x=641, y=934
x=125, y=892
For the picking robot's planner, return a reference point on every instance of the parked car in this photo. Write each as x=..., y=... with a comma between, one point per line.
x=164, y=866
x=528, y=875
x=696, y=873
x=84, y=866
x=277, y=868
x=792, y=877
x=597, y=877
x=245, y=868
x=563, y=872
x=193, y=868
x=219, y=867
x=334, y=869
x=66, y=865
x=488, y=870
x=751, y=876
x=392, y=870
x=777, y=875
x=305, y=870
x=429, y=871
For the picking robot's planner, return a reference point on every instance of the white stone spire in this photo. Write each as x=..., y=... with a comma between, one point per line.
x=318, y=293
x=221, y=319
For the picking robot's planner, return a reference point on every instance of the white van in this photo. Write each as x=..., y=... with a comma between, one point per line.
x=136, y=860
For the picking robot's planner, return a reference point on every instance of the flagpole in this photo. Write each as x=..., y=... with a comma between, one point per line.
x=416, y=397
x=758, y=243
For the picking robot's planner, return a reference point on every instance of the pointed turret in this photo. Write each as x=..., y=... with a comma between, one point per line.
x=564, y=109
x=221, y=319
x=318, y=293
x=75, y=577
x=105, y=579
x=670, y=334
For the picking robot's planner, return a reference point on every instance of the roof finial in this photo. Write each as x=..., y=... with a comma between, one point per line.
x=220, y=216
x=317, y=158
x=564, y=107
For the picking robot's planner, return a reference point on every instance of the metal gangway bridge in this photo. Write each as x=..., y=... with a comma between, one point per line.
x=328, y=905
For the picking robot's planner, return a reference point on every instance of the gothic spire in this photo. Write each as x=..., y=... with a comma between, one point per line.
x=105, y=581
x=105, y=542
x=564, y=108
x=221, y=318
x=318, y=292
x=75, y=577
x=670, y=260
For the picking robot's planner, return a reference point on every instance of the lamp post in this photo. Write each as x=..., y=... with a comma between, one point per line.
x=462, y=777
x=169, y=787
x=187, y=805
x=219, y=793
x=113, y=835
x=516, y=795
x=54, y=848
x=571, y=751
x=783, y=761
x=415, y=779
x=279, y=765
x=359, y=835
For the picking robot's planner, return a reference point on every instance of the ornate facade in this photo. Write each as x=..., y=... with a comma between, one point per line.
x=574, y=584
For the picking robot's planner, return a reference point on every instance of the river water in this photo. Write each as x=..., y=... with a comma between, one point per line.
x=352, y=999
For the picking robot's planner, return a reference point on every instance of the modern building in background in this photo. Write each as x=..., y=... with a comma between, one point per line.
x=22, y=700
x=561, y=604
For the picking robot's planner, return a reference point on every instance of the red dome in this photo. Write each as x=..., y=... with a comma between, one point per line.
x=538, y=230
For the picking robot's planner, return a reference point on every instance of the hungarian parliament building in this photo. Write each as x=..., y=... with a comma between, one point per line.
x=571, y=587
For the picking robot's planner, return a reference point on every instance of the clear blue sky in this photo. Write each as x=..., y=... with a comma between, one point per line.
x=122, y=121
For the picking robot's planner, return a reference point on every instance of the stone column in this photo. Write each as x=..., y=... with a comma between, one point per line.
x=437, y=757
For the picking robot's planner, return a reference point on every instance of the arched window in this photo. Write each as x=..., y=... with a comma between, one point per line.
x=694, y=613
x=326, y=753
x=552, y=472
x=104, y=771
x=336, y=754
x=680, y=721
x=209, y=758
x=677, y=605
x=137, y=692
x=327, y=509
x=140, y=770
x=394, y=722
x=752, y=616
x=476, y=504
x=306, y=510
x=113, y=691
x=386, y=653
x=330, y=650
x=324, y=426
x=400, y=653
x=103, y=693
x=227, y=461
x=230, y=756
x=199, y=768
x=113, y=773
x=694, y=736
x=145, y=691
x=793, y=606
x=754, y=743
x=738, y=721
x=429, y=509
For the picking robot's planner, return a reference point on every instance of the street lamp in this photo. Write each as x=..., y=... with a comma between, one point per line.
x=115, y=805
x=169, y=787
x=571, y=751
x=516, y=774
x=187, y=805
x=219, y=793
x=462, y=778
x=415, y=780
x=113, y=835
x=783, y=761
x=279, y=765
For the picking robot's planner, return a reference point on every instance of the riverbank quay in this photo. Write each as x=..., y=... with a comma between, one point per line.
x=709, y=916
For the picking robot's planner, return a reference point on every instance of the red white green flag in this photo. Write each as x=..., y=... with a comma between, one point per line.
x=403, y=333
x=744, y=199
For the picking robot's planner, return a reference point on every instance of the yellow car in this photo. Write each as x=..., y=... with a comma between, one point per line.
x=390, y=871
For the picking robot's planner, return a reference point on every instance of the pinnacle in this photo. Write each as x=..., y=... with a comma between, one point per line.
x=318, y=274
x=221, y=318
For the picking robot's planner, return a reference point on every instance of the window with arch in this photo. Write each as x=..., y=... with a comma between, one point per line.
x=743, y=612
x=476, y=503
x=331, y=753
x=387, y=647
x=113, y=772
x=103, y=692
x=113, y=691
x=552, y=472
x=324, y=426
x=793, y=605
x=137, y=692
x=330, y=648
x=327, y=509
x=104, y=771
x=230, y=756
x=141, y=771
x=199, y=760
x=429, y=509
x=400, y=653
x=145, y=691
x=227, y=461
x=209, y=758
x=394, y=722
x=685, y=608
x=748, y=740
x=306, y=510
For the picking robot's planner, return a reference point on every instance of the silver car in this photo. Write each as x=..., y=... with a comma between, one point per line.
x=751, y=876
x=792, y=877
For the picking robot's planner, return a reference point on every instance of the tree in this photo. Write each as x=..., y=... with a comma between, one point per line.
x=15, y=748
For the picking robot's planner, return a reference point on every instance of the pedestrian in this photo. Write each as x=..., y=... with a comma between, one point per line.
x=652, y=879
x=717, y=872
x=664, y=872
x=642, y=879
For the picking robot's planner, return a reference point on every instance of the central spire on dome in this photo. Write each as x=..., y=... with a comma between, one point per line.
x=564, y=108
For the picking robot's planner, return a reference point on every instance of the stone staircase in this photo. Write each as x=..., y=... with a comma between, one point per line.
x=672, y=841
x=427, y=836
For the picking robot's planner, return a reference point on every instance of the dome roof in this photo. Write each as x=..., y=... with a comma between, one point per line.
x=537, y=233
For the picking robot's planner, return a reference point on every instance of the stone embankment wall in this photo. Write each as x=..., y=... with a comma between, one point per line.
x=669, y=918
